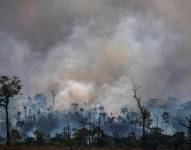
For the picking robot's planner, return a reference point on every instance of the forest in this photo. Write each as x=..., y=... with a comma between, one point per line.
x=154, y=125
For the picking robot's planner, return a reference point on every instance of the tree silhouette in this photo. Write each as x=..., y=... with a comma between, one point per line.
x=15, y=135
x=89, y=136
x=25, y=111
x=39, y=137
x=18, y=116
x=188, y=127
x=98, y=130
x=144, y=114
x=166, y=120
x=9, y=87
x=53, y=99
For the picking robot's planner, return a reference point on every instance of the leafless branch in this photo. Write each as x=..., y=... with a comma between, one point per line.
x=183, y=124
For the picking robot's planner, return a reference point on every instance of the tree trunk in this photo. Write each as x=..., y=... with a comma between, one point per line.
x=7, y=125
x=143, y=138
x=143, y=127
x=189, y=139
x=70, y=146
x=89, y=130
x=98, y=136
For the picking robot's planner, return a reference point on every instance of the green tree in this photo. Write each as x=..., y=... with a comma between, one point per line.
x=9, y=87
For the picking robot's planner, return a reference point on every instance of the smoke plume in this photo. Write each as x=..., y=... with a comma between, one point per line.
x=92, y=51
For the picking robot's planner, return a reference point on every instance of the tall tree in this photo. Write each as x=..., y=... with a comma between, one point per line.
x=9, y=87
x=144, y=114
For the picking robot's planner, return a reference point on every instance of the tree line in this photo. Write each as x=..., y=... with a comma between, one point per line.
x=94, y=126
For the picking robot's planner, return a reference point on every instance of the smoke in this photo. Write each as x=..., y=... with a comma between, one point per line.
x=92, y=51
x=74, y=92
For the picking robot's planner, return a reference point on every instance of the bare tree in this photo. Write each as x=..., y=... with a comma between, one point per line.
x=25, y=111
x=9, y=87
x=53, y=99
x=188, y=127
x=18, y=116
x=144, y=113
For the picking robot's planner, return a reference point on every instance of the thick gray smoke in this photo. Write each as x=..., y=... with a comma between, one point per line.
x=92, y=51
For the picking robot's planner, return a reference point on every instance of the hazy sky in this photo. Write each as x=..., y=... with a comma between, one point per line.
x=92, y=50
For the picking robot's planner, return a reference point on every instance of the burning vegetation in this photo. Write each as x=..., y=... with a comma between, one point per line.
x=153, y=125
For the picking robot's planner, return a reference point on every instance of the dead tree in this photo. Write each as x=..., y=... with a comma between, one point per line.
x=53, y=99
x=144, y=113
x=188, y=127
x=25, y=111
x=18, y=116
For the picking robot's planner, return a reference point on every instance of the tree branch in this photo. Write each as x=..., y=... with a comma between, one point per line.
x=188, y=119
x=138, y=99
x=2, y=105
x=182, y=124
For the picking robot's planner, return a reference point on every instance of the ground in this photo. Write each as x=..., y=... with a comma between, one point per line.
x=51, y=148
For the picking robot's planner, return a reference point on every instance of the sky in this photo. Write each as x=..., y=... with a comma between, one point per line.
x=92, y=51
